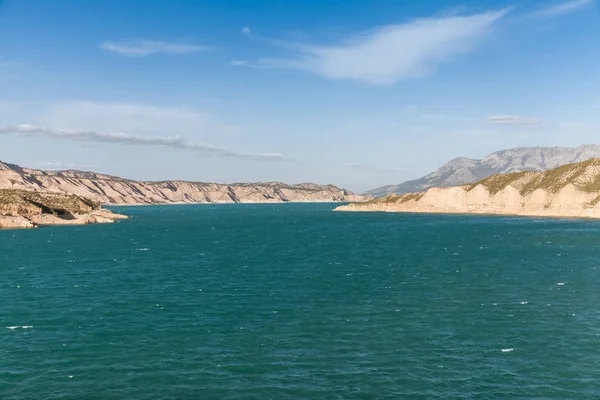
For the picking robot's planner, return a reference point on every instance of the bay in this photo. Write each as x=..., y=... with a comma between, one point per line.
x=294, y=301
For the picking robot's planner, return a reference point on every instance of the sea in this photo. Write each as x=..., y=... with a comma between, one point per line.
x=294, y=301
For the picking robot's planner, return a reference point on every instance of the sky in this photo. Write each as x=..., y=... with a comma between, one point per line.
x=356, y=93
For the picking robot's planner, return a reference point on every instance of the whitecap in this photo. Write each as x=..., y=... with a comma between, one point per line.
x=27, y=327
x=523, y=302
x=12, y=327
x=506, y=350
x=560, y=283
x=143, y=249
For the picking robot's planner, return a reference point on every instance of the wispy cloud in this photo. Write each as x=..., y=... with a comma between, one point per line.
x=246, y=30
x=514, y=120
x=141, y=48
x=562, y=8
x=388, y=54
x=239, y=63
x=175, y=142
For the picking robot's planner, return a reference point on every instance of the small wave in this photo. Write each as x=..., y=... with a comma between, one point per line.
x=12, y=328
x=506, y=350
x=523, y=302
x=143, y=249
x=560, y=283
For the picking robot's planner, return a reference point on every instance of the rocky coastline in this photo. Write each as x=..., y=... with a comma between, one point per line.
x=31, y=209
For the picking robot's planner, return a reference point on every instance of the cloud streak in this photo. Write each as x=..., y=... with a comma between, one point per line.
x=514, y=120
x=392, y=53
x=563, y=8
x=174, y=142
x=142, y=48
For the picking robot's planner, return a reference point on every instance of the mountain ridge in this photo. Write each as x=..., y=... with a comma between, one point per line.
x=463, y=170
x=108, y=189
x=571, y=190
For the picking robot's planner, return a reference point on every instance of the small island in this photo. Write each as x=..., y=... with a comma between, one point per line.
x=30, y=209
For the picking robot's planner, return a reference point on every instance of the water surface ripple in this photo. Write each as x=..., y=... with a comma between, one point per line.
x=296, y=302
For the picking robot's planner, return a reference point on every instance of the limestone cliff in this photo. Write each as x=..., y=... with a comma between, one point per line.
x=572, y=190
x=28, y=209
x=107, y=189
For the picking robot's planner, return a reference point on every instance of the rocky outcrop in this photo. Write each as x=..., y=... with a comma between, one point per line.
x=15, y=222
x=572, y=190
x=106, y=189
x=461, y=171
x=29, y=209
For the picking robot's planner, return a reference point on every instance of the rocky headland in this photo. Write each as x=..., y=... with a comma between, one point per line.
x=30, y=209
x=572, y=190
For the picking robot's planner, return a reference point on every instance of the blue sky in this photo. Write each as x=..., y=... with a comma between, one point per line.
x=355, y=93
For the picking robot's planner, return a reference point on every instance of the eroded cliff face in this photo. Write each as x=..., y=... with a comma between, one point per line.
x=569, y=191
x=29, y=209
x=107, y=189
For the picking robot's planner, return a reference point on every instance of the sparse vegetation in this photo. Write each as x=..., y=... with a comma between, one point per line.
x=22, y=202
x=577, y=174
x=496, y=183
x=585, y=176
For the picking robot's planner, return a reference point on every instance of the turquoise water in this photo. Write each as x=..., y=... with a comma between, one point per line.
x=296, y=302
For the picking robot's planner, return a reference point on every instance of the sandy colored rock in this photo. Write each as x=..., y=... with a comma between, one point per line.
x=29, y=209
x=15, y=222
x=105, y=189
x=572, y=190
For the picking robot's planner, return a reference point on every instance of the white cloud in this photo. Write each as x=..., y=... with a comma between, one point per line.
x=129, y=117
x=246, y=64
x=514, y=120
x=562, y=9
x=141, y=48
x=239, y=63
x=175, y=142
x=246, y=30
x=391, y=53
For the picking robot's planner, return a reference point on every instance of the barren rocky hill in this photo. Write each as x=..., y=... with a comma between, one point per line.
x=571, y=190
x=28, y=209
x=106, y=189
x=461, y=171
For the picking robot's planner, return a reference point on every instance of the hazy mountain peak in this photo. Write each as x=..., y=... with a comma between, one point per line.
x=462, y=170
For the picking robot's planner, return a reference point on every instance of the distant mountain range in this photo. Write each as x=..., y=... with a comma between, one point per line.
x=571, y=190
x=461, y=171
x=106, y=189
